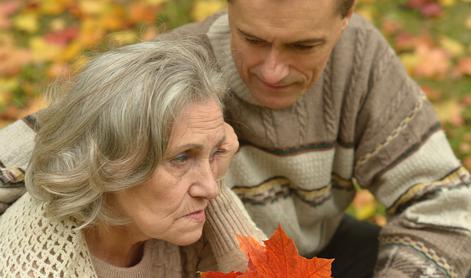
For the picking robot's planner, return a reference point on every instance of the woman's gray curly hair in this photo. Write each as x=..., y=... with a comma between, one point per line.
x=111, y=128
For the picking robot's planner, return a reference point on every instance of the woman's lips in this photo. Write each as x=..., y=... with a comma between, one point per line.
x=198, y=216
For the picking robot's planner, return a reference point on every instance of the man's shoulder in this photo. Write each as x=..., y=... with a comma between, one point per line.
x=192, y=29
x=360, y=25
x=358, y=22
x=16, y=144
x=359, y=35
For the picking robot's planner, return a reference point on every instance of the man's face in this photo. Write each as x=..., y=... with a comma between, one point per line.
x=280, y=47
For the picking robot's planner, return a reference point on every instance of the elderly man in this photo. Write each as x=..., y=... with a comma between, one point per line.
x=320, y=102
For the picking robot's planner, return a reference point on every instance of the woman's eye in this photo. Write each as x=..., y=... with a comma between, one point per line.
x=180, y=159
x=218, y=152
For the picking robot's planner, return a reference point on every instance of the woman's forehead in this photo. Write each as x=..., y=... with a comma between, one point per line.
x=198, y=123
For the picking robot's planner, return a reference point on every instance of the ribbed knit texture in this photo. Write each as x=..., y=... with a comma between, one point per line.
x=363, y=121
x=35, y=246
x=143, y=269
x=228, y=214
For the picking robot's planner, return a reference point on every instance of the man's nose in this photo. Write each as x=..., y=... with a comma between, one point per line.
x=274, y=68
x=205, y=185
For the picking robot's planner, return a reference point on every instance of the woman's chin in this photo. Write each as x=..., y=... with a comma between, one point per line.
x=188, y=238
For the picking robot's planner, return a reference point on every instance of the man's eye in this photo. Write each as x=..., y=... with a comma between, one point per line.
x=303, y=46
x=254, y=41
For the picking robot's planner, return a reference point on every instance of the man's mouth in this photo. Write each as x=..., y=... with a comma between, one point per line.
x=274, y=86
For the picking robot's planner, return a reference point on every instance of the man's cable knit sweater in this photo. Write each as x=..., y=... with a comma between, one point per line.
x=366, y=122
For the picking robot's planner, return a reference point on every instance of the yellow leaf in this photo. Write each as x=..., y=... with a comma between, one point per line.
x=453, y=47
x=142, y=13
x=367, y=12
x=57, y=24
x=205, y=8
x=468, y=22
x=91, y=32
x=450, y=112
x=447, y=3
x=70, y=52
x=92, y=7
x=410, y=61
x=114, y=18
x=155, y=2
x=53, y=7
x=364, y=205
x=7, y=85
x=26, y=22
x=123, y=37
x=43, y=51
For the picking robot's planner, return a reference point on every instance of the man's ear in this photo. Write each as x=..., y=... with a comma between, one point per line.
x=348, y=16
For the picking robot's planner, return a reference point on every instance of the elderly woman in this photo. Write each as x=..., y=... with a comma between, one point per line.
x=126, y=171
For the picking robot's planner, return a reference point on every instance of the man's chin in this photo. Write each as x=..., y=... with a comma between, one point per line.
x=276, y=99
x=276, y=102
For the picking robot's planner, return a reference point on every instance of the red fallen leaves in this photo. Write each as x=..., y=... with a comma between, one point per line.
x=277, y=259
x=428, y=8
x=63, y=37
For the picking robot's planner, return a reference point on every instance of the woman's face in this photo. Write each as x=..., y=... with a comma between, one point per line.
x=170, y=206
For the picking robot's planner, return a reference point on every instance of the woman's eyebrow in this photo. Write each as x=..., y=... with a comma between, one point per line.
x=196, y=145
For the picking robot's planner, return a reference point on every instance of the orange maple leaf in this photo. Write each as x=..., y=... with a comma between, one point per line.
x=279, y=258
x=220, y=275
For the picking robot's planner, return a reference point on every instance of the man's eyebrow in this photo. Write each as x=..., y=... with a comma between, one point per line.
x=248, y=35
x=301, y=41
x=309, y=41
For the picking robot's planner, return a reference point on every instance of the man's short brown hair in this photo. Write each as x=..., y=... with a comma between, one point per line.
x=343, y=7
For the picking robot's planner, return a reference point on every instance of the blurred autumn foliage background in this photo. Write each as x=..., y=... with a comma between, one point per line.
x=42, y=40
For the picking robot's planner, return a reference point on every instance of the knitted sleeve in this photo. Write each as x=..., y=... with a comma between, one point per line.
x=32, y=245
x=227, y=218
x=402, y=155
x=16, y=145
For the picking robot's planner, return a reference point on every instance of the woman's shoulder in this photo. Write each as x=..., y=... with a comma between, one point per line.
x=18, y=214
x=33, y=245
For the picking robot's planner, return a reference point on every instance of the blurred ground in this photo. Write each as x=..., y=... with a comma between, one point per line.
x=41, y=40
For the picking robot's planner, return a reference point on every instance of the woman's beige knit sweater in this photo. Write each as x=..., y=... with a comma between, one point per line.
x=32, y=245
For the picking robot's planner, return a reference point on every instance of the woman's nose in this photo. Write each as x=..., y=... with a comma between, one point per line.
x=205, y=186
